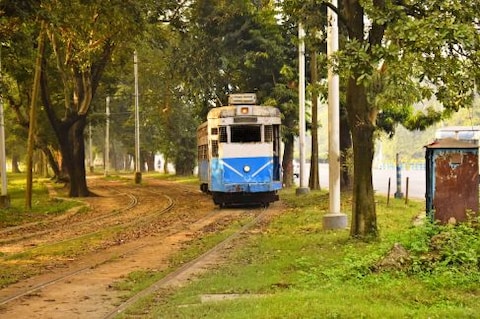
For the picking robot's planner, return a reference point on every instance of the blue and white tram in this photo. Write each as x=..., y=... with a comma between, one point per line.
x=239, y=152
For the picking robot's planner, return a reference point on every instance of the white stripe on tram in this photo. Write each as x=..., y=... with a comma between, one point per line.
x=262, y=168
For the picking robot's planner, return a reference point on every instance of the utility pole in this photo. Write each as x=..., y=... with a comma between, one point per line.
x=90, y=150
x=138, y=173
x=303, y=189
x=107, y=135
x=4, y=198
x=334, y=219
x=398, y=165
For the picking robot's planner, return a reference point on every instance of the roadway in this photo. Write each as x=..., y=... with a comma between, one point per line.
x=416, y=181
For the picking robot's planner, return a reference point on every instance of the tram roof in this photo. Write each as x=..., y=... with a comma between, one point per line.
x=231, y=111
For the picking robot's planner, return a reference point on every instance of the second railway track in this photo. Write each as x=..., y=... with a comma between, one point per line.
x=40, y=228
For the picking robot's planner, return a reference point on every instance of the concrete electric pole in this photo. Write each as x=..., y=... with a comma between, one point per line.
x=107, y=135
x=4, y=198
x=138, y=173
x=334, y=219
x=303, y=189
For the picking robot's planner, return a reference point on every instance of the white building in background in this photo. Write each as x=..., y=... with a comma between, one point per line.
x=160, y=162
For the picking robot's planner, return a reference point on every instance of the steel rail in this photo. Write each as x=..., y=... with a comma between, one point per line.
x=37, y=287
x=132, y=203
x=165, y=281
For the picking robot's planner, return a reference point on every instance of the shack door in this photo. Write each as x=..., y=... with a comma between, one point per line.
x=452, y=188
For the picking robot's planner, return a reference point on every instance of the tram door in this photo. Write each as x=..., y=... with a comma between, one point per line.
x=276, y=152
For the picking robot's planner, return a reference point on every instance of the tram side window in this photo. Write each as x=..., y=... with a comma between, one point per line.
x=268, y=133
x=245, y=133
x=202, y=152
x=276, y=139
x=214, y=148
x=223, y=134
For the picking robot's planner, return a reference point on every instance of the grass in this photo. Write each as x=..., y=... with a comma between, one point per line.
x=43, y=205
x=302, y=271
x=298, y=269
x=140, y=280
x=128, y=177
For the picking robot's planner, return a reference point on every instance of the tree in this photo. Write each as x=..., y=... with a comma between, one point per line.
x=81, y=39
x=412, y=51
x=19, y=40
x=238, y=46
x=313, y=18
x=345, y=150
x=394, y=54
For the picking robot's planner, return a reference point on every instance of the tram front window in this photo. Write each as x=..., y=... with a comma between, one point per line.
x=245, y=134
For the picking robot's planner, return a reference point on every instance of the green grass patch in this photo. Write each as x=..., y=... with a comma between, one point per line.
x=190, y=180
x=139, y=280
x=71, y=247
x=129, y=177
x=302, y=271
x=43, y=204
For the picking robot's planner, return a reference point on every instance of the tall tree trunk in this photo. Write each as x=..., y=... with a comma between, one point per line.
x=364, y=217
x=314, y=180
x=150, y=157
x=15, y=160
x=78, y=178
x=345, y=151
x=362, y=118
x=113, y=156
x=165, y=165
x=51, y=161
x=72, y=147
x=40, y=164
x=287, y=162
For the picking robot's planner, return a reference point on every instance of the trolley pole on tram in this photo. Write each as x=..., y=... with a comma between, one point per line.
x=334, y=219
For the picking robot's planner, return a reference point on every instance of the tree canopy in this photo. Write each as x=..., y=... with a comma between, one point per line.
x=396, y=54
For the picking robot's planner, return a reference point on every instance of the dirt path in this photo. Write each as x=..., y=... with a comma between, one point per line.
x=86, y=291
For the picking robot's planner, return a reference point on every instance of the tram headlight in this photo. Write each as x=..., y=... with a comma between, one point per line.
x=246, y=168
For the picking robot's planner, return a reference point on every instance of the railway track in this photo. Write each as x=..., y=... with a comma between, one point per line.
x=184, y=270
x=37, y=229
x=81, y=288
x=95, y=263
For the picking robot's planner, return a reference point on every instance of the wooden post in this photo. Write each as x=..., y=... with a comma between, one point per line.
x=406, y=191
x=388, y=192
x=31, y=129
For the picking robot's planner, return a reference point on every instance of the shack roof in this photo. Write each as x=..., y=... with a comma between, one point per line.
x=452, y=143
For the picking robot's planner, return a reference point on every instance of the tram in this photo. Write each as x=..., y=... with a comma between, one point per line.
x=239, y=152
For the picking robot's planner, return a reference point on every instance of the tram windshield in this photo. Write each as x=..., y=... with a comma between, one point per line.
x=245, y=133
